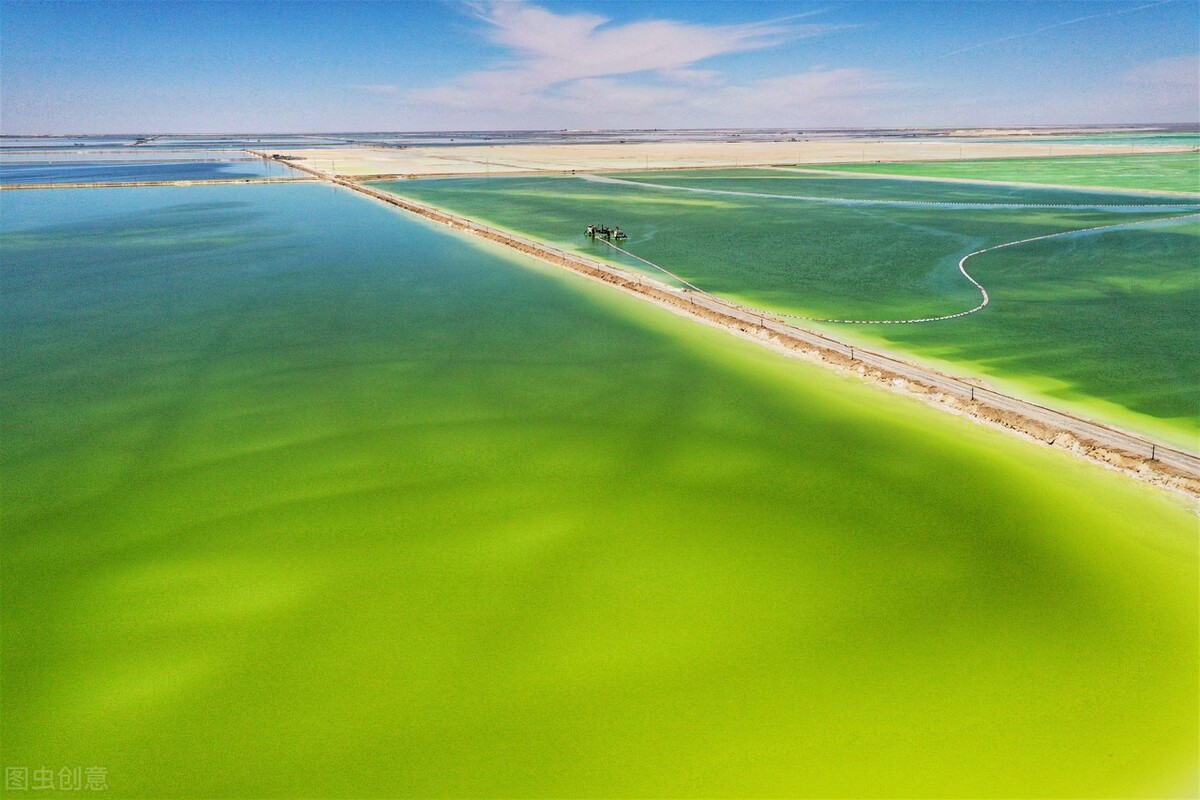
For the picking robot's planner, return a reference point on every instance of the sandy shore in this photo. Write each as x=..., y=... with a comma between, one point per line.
x=515, y=158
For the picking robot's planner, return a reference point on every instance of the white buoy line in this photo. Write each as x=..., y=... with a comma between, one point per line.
x=961, y=268
x=1113, y=207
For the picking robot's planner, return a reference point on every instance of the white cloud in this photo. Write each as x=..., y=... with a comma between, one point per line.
x=692, y=77
x=376, y=88
x=818, y=94
x=557, y=47
x=810, y=99
x=644, y=73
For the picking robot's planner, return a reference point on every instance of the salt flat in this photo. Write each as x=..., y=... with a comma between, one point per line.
x=508, y=158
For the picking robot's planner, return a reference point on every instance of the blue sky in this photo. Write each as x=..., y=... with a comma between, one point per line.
x=116, y=67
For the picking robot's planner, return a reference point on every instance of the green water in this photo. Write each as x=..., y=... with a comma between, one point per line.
x=806, y=181
x=302, y=497
x=1128, y=353
x=1141, y=139
x=1176, y=172
x=1115, y=316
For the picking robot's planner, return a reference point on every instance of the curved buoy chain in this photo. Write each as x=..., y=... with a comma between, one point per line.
x=984, y=299
x=1113, y=207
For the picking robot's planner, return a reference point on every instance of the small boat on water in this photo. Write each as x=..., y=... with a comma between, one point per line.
x=605, y=232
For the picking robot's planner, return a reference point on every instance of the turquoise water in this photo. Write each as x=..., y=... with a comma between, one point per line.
x=35, y=144
x=302, y=497
x=122, y=154
x=101, y=172
x=8, y=143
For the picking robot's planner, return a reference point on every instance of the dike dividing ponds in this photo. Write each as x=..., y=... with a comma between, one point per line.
x=1140, y=456
x=1146, y=459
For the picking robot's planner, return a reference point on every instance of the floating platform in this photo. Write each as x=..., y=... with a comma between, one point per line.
x=604, y=232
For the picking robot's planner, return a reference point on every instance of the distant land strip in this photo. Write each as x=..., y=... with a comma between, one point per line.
x=122, y=184
x=67, y=162
x=83, y=153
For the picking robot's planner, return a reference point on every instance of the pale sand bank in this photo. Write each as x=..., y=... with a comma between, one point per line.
x=508, y=159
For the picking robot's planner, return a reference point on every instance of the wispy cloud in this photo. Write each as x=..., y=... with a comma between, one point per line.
x=376, y=88
x=848, y=96
x=1044, y=28
x=556, y=64
x=552, y=48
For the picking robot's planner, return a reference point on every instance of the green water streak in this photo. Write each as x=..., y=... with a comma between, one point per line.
x=1174, y=172
x=302, y=497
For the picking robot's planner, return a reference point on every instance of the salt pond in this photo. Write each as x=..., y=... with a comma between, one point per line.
x=302, y=496
x=104, y=171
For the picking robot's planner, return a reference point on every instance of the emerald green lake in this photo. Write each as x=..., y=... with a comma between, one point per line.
x=1103, y=324
x=1176, y=172
x=302, y=497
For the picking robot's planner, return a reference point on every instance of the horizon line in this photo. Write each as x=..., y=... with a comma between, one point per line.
x=797, y=129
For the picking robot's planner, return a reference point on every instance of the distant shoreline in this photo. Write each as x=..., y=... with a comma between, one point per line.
x=371, y=162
